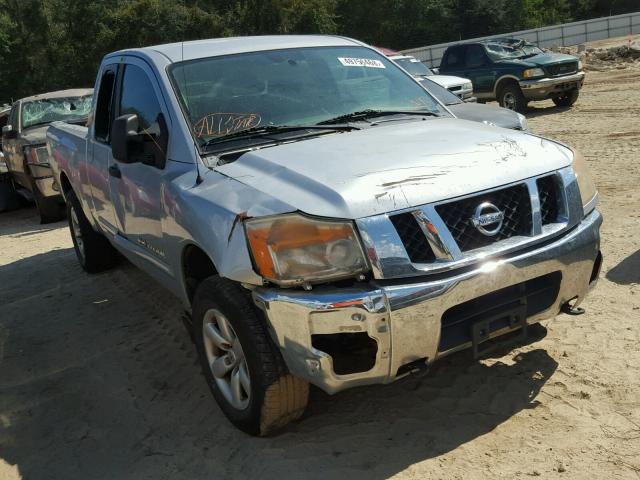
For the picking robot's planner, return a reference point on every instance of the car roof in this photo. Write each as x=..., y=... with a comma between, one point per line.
x=213, y=47
x=74, y=92
x=508, y=41
x=401, y=57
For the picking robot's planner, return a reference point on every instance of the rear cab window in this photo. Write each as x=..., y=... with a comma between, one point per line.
x=104, y=106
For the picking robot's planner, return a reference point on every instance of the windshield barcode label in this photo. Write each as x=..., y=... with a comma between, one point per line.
x=361, y=62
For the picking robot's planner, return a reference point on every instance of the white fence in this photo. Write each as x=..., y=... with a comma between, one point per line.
x=554, y=36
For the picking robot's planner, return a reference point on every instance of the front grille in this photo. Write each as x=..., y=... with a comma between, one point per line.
x=537, y=294
x=548, y=192
x=455, y=89
x=414, y=240
x=514, y=202
x=562, y=69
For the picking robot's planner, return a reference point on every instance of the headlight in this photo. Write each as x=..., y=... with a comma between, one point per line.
x=579, y=64
x=533, y=72
x=588, y=191
x=467, y=86
x=38, y=155
x=292, y=249
x=523, y=122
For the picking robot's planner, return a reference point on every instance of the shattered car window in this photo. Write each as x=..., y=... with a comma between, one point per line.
x=499, y=51
x=300, y=86
x=47, y=110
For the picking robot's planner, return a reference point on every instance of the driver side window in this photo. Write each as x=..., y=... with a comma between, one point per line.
x=138, y=97
x=475, y=56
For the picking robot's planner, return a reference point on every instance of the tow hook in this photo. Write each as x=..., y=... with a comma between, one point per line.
x=570, y=309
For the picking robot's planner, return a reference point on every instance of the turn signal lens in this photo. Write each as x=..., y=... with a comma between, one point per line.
x=588, y=190
x=292, y=249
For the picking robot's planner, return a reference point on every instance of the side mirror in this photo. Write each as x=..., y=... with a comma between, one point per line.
x=124, y=132
x=8, y=132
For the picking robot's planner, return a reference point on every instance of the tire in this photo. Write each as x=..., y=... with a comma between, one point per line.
x=567, y=100
x=95, y=253
x=238, y=346
x=510, y=96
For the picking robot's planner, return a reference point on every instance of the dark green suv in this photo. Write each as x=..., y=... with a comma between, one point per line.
x=514, y=72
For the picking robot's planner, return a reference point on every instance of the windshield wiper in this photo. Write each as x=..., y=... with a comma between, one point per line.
x=258, y=132
x=365, y=114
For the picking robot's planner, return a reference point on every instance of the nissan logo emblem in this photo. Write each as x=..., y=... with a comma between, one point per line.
x=487, y=219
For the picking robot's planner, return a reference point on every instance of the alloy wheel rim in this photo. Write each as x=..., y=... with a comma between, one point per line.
x=510, y=101
x=77, y=233
x=226, y=359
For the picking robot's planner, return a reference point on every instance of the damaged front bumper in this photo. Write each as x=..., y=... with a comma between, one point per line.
x=543, y=88
x=381, y=330
x=43, y=178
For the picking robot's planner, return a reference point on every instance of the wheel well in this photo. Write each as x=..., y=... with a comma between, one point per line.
x=196, y=267
x=504, y=82
x=65, y=184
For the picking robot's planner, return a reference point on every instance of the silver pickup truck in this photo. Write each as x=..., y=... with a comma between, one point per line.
x=322, y=217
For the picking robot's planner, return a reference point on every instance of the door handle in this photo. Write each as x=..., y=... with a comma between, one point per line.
x=114, y=171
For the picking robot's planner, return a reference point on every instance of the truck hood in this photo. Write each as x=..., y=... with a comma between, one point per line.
x=541, y=60
x=35, y=135
x=448, y=81
x=394, y=166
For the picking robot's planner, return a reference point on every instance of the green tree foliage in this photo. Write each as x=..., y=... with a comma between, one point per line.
x=52, y=44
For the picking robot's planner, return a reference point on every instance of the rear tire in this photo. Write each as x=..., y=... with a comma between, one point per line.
x=510, y=96
x=568, y=99
x=94, y=252
x=234, y=345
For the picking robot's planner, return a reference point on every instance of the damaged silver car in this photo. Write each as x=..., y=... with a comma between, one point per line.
x=322, y=217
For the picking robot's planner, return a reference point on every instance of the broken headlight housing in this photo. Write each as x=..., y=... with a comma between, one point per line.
x=37, y=155
x=588, y=190
x=293, y=249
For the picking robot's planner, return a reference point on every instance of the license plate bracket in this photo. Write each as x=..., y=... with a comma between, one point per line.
x=481, y=330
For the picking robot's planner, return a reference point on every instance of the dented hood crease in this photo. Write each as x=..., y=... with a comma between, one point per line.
x=394, y=166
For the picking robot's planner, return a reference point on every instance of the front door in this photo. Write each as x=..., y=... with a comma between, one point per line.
x=136, y=186
x=479, y=69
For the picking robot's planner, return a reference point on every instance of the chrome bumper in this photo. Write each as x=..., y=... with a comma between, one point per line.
x=405, y=320
x=543, y=87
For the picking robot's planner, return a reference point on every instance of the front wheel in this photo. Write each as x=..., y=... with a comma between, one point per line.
x=511, y=97
x=568, y=99
x=243, y=367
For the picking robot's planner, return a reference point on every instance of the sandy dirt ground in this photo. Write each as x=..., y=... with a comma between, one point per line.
x=98, y=379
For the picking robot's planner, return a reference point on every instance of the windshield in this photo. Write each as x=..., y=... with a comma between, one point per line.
x=301, y=86
x=414, y=66
x=498, y=51
x=47, y=110
x=441, y=93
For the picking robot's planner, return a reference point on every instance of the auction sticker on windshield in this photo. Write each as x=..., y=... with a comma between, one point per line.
x=361, y=62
